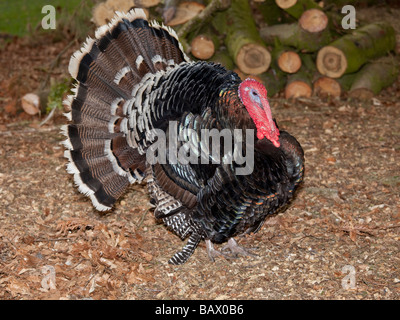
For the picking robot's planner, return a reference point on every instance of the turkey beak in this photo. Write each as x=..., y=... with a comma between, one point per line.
x=267, y=109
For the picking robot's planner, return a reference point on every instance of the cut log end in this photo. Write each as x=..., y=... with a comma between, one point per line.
x=31, y=103
x=297, y=89
x=289, y=62
x=373, y=77
x=313, y=20
x=325, y=86
x=102, y=14
x=284, y=4
x=185, y=12
x=244, y=76
x=331, y=62
x=202, y=47
x=361, y=94
x=146, y=3
x=253, y=58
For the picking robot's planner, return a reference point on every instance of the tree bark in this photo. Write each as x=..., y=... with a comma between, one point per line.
x=293, y=35
x=223, y=58
x=299, y=84
x=274, y=80
x=346, y=81
x=322, y=86
x=242, y=38
x=271, y=14
x=199, y=20
x=350, y=52
x=296, y=7
x=373, y=77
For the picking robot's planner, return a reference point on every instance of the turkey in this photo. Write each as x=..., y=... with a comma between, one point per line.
x=137, y=89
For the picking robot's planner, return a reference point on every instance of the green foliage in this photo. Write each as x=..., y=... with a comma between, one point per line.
x=76, y=24
x=23, y=17
x=57, y=90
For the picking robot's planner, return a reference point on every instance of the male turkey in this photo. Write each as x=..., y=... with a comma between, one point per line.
x=134, y=79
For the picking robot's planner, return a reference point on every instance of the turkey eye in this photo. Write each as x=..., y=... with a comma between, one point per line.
x=255, y=96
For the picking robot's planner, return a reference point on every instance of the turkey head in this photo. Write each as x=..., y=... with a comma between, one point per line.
x=254, y=97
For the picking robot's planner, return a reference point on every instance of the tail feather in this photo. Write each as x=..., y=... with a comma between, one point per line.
x=109, y=70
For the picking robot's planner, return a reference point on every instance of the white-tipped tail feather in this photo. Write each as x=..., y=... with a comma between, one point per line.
x=115, y=73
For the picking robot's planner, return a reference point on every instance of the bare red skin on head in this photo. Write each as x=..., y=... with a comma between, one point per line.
x=259, y=110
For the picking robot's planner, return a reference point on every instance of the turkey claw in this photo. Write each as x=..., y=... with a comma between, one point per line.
x=214, y=253
x=232, y=246
x=237, y=250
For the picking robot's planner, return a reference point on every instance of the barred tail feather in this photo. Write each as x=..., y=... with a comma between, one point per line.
x=109, y=69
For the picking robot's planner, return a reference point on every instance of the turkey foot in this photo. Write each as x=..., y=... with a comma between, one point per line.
x=232, y=246
x=237, y=250
x=214, y=253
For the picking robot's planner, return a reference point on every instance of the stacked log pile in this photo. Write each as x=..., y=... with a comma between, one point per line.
x=296, y=47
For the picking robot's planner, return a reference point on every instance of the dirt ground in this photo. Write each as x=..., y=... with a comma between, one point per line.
x=340, y=238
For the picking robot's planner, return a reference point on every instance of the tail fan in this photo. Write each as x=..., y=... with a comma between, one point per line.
x=109, y=69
